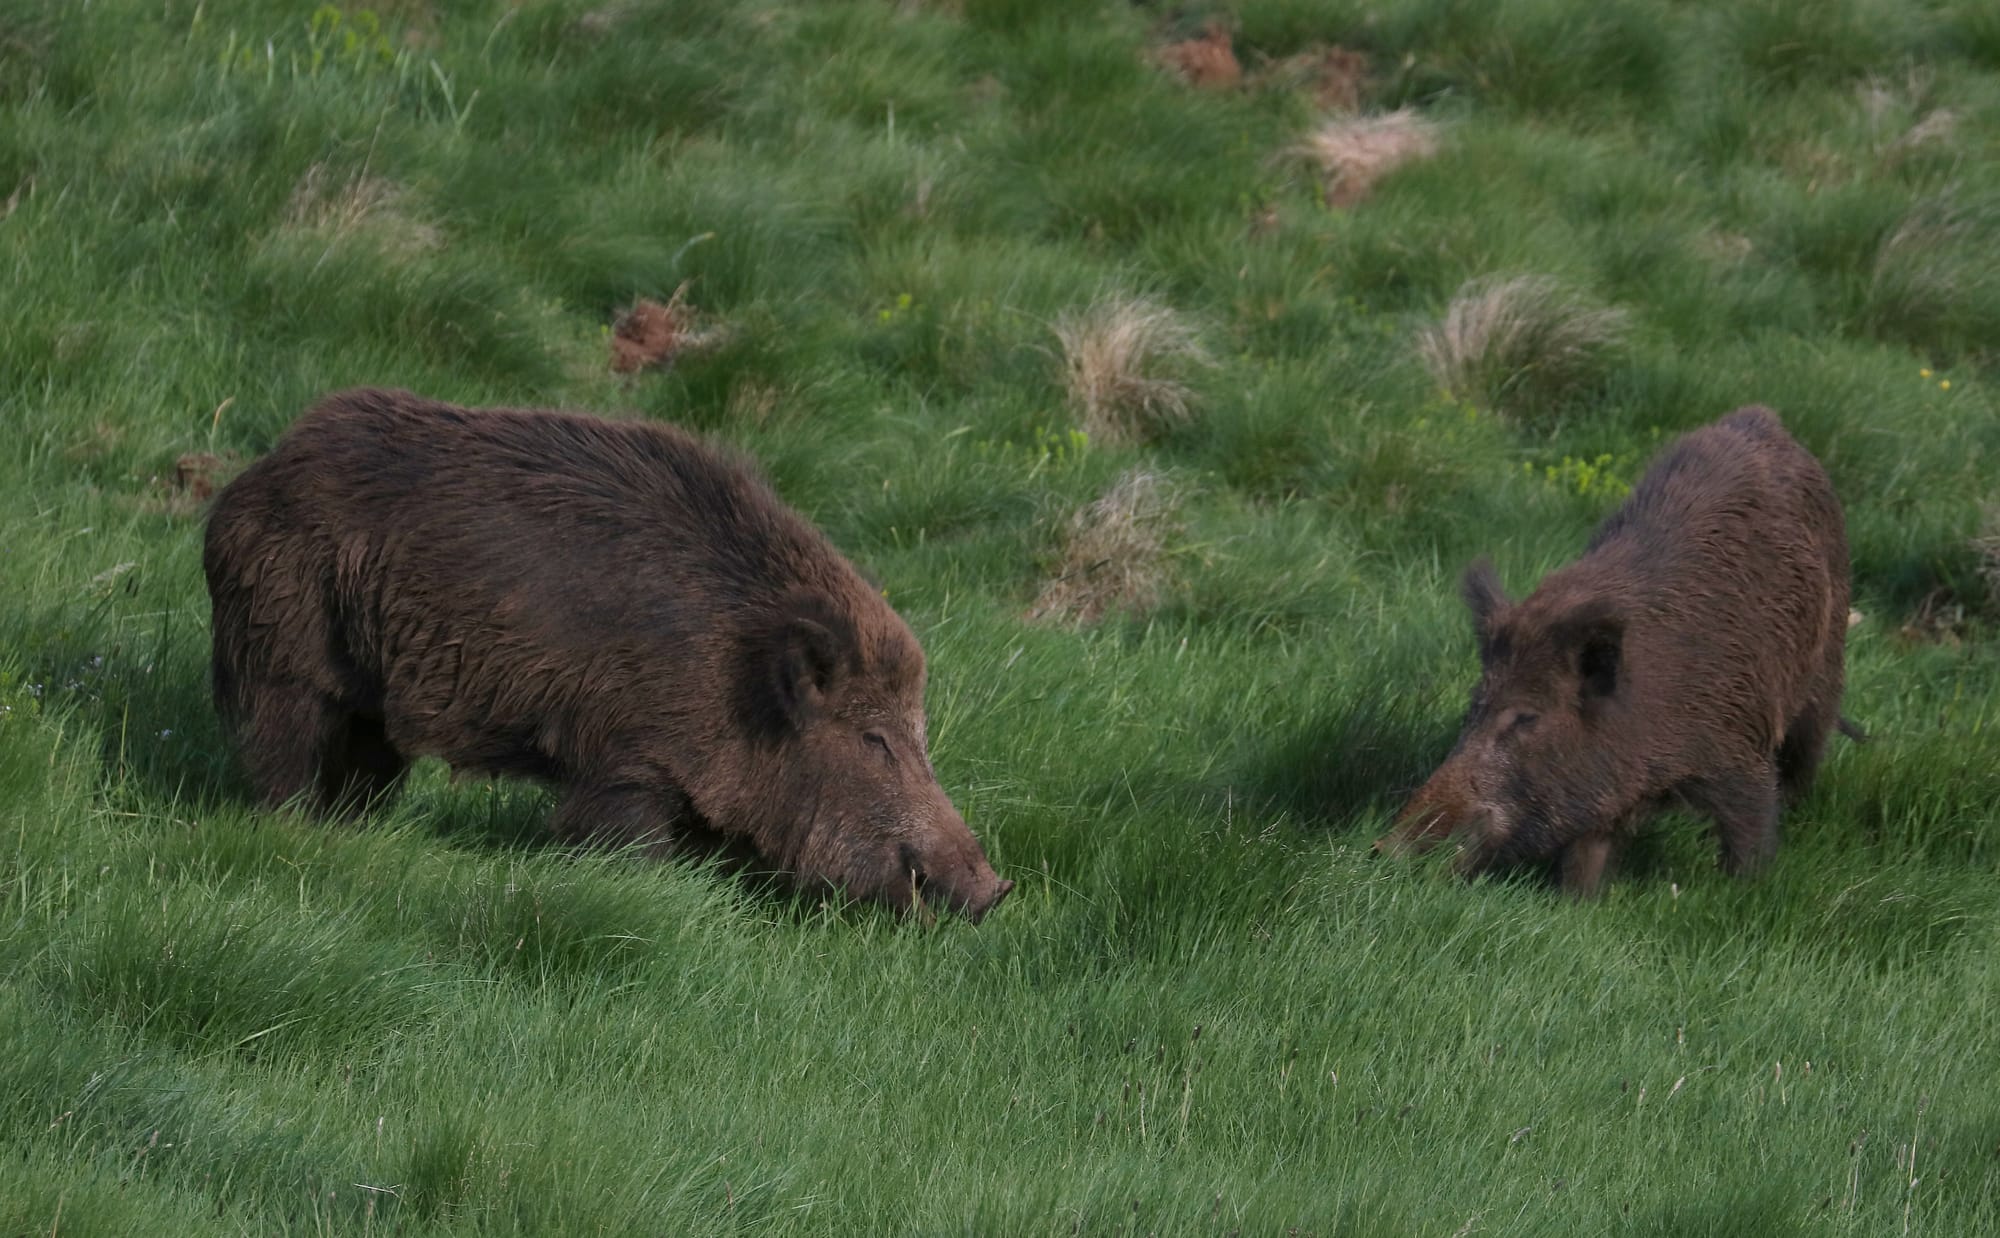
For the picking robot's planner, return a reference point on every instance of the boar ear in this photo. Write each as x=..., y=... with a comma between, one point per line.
x=1480, y=587
x=808, y=663
x=1594, y=632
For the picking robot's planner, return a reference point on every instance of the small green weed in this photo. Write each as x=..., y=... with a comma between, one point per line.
x=1603, y=477
x=331, y=41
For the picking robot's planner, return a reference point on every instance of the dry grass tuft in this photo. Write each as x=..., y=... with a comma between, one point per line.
x=1933, y=279
x=1901, y=116
x=1506, y=341
x=1114, y=553
x=1940, y=618
x=1354, y=153
x=373, y=205
x=27, y=185
x=599, y=22
x=1987, y=547
x=1722, y=246
x=653, y=336
x=1934, y=128
x=754, y=402
x=1207, y=62
x=1123, y=362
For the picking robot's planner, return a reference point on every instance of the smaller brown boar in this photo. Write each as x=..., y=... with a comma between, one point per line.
x=1694, y=654
x=611, y=608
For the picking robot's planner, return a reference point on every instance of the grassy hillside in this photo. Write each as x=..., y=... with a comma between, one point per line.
x=1166, y=375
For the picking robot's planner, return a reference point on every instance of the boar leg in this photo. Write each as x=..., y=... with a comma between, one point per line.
x=622, y=814
x=360, y=766
x=1584, y=863
x=1805, y=741
x=1744, y=804
x=284, y=738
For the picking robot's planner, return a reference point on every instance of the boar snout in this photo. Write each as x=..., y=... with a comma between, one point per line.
x=975, y=912
x=963, y=882
x=1448, y=809
x=1416, y=830
x=1433, y=814
x=956, y=878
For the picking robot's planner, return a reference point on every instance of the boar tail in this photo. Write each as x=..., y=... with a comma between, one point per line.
x=1852, y=729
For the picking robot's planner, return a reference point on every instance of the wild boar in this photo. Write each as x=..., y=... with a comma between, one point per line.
x=1694, y=654
x=609, y=607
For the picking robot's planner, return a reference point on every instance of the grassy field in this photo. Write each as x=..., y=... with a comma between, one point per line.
x=1166, y=392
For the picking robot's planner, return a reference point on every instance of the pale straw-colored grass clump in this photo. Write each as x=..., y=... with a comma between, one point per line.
x=1506, y=342
x=1115, y=553
x=1355, y=152
x=1125, y=361
x=1933, y=280
x=374, y=206
x=1902, y=116
x=1987, y=547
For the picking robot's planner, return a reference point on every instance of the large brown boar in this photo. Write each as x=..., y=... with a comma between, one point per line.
x=1693, y=654
x=611, y=608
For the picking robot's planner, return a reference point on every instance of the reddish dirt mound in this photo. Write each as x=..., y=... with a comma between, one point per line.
x=195, y=478
x=1207, y=62
x=650, y=334
x=197, y=473
x=1336, y=75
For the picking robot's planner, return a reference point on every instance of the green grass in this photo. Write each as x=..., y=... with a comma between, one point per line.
x=1207, y=1008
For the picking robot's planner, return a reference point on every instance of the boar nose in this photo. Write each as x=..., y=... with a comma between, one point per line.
x=976, y=913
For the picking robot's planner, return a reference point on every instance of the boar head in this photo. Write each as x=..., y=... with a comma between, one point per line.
x=848, y=766
x=1537, y=764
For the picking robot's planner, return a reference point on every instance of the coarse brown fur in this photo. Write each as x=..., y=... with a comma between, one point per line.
x=611, y=608
x=1695, y=653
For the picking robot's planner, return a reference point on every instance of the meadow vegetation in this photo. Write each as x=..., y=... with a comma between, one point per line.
x=1010, y=300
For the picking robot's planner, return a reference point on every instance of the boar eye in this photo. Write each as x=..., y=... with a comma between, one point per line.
x=876, y=739
x=1523, y=721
